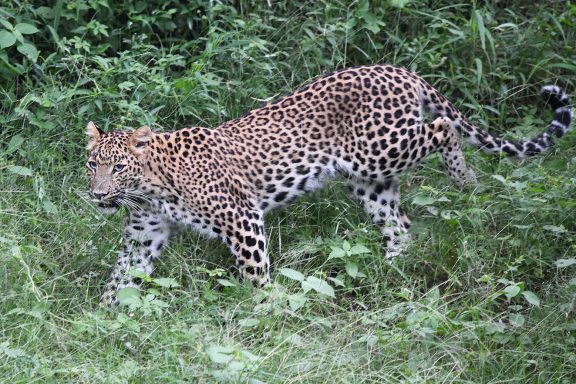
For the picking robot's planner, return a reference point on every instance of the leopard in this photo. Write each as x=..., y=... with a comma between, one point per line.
x=366, y=124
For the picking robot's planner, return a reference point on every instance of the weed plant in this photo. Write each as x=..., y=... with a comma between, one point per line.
x=486, y=292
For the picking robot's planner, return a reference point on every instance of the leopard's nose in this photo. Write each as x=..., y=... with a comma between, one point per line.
x=98, y=195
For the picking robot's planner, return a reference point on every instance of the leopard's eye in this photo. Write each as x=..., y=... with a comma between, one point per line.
x=118, y=168
x=92, y=165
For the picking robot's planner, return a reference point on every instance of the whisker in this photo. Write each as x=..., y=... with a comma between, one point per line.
x=134, y=199
x=130, y=204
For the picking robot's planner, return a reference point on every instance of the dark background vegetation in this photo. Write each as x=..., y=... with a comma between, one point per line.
x=485, y=293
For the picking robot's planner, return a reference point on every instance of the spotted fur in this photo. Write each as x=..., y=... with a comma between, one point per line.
x=366, y=123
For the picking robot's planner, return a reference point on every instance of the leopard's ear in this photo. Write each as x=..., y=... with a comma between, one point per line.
x=93, y=133
x=139, y=140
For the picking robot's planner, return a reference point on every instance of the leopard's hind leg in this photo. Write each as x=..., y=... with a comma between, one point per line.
x=381, y=200
x=445, y=140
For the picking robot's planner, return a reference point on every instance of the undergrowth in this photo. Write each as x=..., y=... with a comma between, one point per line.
x=485, y=293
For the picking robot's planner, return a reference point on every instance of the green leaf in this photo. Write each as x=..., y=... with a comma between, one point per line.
x=478, y=63
x=423, y=200
x=153, y=291
x=26, y=29
x=399, y=3
x=225, y=283
x=29, y=51
x=554, y=228
x=346, y=245
x=292, y=274
x=296, y=301
x=18, y=170
x=563, y=263
x=157, y=302
x=512, y=291
x=167, y=282
x=362, y=8
x=318, y=285
x=336, y=253
x=517, y=319
x=351, y=23
x=11, y=352
x=6, y=68
x=49, y=207
x=126, y=85
x=219, y=354
x=18, y=36
x=351, y=269
x=249, y=323
x=15, y=142
x=372, y=23
x=495, y=328
x=531, y=298
x=481, y=28
x=6, y=24
x=359, y=249
x=338, y=281
x=523, y=226
x=139, y=274
x=128, y=296
x=568, y=326
x=7, y=39
x=500, y=178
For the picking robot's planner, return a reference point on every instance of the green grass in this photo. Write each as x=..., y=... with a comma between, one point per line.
x=485, y=293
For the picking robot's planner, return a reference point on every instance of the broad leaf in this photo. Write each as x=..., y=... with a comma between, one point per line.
x=29, y=51
x=517, y=319
x=399, y=3
x=531, y=298
x=296, y=301
x=10, y=352
x=318, y=285
x=219, y=354
x=15, y=142
x=554, y=228
x=128, y=296
x=6, y=24
x=423, y=200
x=25, y=28
x=126, y=85
x=500, y=178
x=563, y=263
x=292, y=274
x=18, y=170
x=49, y=207
x=336, y=253
x=7, y=39
x=359, y=249
x=351, y=269
x=248, y=323
x=511, y=291
x=225, y=283
x=167, y=282
x=338, y=282
x=346, y=245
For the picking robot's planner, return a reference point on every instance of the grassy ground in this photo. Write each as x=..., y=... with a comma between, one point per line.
x=485, y=294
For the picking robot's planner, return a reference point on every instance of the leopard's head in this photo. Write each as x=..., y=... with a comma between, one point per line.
x=116, y=165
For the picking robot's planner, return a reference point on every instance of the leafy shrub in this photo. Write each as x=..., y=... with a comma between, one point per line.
x=485, y=292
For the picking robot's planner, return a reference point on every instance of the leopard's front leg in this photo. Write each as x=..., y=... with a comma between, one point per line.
x=247, y=241
x=145, y=237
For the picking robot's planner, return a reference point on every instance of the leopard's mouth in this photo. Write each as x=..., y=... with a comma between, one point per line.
x=108, y=206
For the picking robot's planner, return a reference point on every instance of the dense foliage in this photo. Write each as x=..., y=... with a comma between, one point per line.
x=486, y=292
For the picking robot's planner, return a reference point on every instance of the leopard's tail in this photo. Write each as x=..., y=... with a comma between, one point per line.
x=437, y=105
